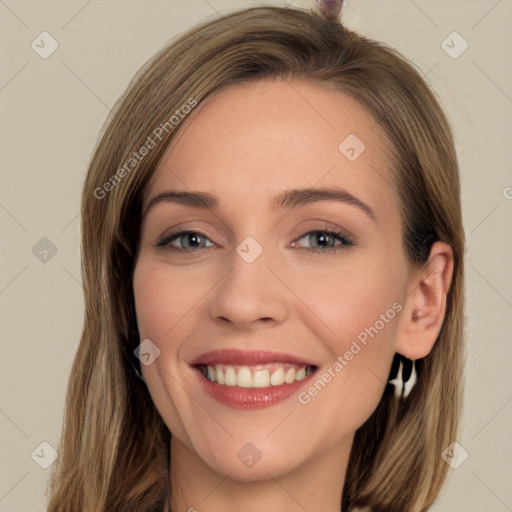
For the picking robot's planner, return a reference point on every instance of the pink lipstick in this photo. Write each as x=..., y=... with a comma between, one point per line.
x=251, y=379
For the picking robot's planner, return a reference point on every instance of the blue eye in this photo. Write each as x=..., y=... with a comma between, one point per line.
x=321, y=238
x=193, y=241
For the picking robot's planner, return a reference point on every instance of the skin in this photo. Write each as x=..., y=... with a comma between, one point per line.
x=246, y=145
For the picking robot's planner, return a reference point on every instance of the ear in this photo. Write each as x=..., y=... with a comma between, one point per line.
x=425, y=304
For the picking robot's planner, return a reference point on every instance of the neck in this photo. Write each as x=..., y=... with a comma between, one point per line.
x=315, y=485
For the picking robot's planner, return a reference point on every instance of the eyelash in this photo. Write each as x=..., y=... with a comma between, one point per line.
x=342, y=237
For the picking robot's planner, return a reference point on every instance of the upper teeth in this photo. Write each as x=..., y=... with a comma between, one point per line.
x=261, y=376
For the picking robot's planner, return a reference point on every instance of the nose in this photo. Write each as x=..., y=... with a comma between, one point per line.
x=249, y=294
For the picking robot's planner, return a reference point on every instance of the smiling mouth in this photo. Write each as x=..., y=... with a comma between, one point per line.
x=259, y=376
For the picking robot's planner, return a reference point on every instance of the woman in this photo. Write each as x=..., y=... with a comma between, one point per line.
x=273, y=273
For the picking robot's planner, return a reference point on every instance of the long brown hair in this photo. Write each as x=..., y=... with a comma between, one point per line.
x=114, y=448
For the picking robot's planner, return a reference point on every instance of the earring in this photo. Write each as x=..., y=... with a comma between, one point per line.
x=138, y=372
x=406, y=376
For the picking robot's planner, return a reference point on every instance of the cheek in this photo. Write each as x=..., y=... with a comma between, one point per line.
x=356, y=318
x=353, y=302
x=161, y=304
x=162, y=299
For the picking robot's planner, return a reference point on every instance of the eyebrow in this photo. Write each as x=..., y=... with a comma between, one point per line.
x=293, y=198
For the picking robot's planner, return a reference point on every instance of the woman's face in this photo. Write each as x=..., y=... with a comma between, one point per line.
x=256, y=299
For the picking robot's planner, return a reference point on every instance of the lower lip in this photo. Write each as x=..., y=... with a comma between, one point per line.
x=250, y=398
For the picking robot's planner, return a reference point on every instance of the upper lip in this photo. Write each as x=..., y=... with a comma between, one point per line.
x=247, y=358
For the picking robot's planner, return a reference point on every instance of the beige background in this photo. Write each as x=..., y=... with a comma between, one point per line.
x=52, y=110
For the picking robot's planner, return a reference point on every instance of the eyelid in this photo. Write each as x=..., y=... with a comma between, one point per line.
x=175, y=231
x=346, y=239
x=165, y=240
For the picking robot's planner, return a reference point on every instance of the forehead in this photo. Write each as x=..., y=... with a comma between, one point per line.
x=255, y=139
